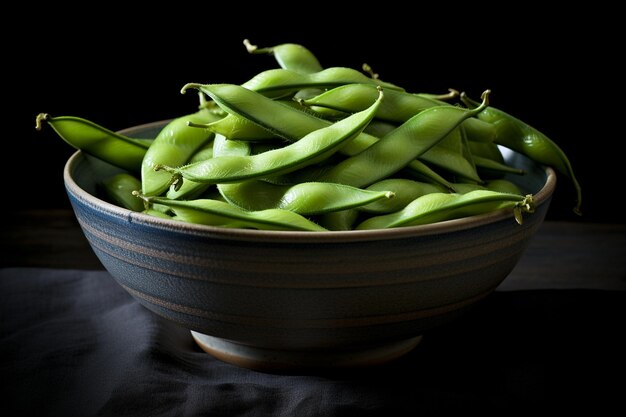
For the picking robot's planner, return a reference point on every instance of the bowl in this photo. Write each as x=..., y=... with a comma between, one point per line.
x=276, y=300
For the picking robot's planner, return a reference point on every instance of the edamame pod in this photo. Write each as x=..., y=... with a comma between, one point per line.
x=314, y=147
x=308, y=198
x=399, y=106
x=404, y=191
x=97, y=141
x=202, y=154
x=290, y=56
x=119, y=188
x=221, y=147
x=379, y=129
x=451, y=154
x=339, y=220
x=503, y=186
x=173, y=146
x=493, y=166
x=401, y=146
x=419, y=170
x=218, y=213
x=237, y=128
x=436, y=207
x=486, y=150
x=466, y=187
x=276, y=83
x=277, y=118
x=525, y=139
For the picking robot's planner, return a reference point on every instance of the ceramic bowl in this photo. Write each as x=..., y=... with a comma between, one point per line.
x=284, y=300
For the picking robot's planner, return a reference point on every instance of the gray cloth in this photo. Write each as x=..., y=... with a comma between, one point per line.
x=74, y=343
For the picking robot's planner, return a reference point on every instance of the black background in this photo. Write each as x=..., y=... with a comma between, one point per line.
x=556, y=71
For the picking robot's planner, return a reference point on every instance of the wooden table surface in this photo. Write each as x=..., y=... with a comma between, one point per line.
x=560, y=255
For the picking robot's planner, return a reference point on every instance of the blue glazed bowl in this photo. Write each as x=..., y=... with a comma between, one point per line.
x=282, y=300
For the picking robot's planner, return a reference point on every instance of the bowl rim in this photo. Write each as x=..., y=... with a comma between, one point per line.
x=447, y=226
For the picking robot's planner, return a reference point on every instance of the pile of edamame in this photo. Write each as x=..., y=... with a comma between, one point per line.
x=308, y=148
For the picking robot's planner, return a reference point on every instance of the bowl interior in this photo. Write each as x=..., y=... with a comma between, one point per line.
x=326, y=298
x=84, y=172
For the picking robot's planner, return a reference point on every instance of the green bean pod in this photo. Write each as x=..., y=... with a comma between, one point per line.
x=290, y=56
x=221, y=214
x=276, y=83
x=97, y=141
x=525, y=139
x=404, y=191
x=314, y=147
x=401, y=146
x=307, y=199
x=436, y=207
x=173, y=146
x=118, y=189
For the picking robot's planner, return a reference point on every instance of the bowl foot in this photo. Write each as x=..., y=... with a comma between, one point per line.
x=266, y=359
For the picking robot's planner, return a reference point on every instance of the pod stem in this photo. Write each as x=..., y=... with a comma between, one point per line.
x=527, y=205
x=253, y=49
x=41, y=117
x=147, y=201
x=190, y=85
x=177, y=178
x=482, y=106
x=367, y=69
x=171, y=170
x=198, y=125
x=451, y=94
x=468, y=101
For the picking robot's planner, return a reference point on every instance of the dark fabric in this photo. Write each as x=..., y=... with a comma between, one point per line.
x=73, y=343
